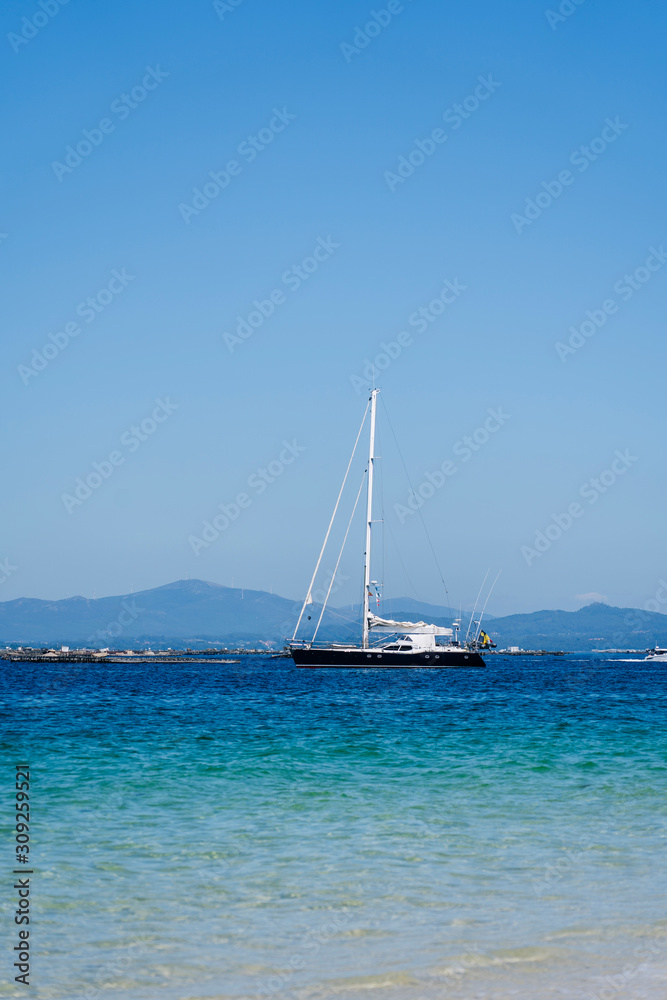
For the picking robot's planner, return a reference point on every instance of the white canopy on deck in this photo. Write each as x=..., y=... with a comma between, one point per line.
x=388, y=625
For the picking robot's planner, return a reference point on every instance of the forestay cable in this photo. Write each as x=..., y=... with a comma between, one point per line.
x=349, y=525
x=309, y=599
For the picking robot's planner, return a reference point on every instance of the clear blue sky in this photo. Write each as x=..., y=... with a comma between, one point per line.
x=331, y=125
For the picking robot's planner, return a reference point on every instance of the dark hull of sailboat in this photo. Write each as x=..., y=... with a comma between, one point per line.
x=374, y=659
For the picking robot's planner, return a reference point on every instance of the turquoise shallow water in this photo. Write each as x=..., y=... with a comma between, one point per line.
x=248, y=831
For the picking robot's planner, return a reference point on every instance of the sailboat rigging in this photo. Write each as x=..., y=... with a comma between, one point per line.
x=407, y=644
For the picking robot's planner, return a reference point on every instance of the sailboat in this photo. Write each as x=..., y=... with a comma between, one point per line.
x=385, y=643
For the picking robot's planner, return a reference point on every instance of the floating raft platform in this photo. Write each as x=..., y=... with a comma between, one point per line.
x=84, y=656
x=525, y=652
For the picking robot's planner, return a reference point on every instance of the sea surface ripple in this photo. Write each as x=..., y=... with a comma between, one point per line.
x=250, y=830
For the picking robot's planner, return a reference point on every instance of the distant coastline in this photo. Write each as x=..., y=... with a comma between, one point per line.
x=198, y=615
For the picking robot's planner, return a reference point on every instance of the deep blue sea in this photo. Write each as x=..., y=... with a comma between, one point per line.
x=249, y=830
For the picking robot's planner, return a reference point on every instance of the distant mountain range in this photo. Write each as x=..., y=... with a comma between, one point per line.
x=197, y=614
x=597, y=626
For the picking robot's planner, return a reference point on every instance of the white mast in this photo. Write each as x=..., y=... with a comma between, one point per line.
x=369, y=520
